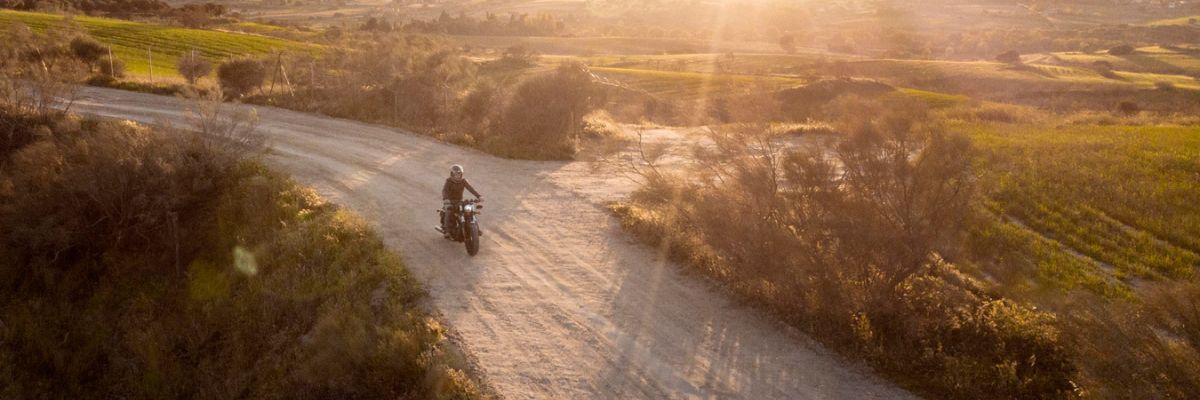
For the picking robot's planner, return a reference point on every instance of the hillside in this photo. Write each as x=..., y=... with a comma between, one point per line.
x=131, y=41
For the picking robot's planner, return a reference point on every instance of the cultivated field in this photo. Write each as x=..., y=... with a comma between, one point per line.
x=132, y=41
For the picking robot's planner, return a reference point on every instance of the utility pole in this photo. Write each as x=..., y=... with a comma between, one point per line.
x=110, y=62
x=150, y=56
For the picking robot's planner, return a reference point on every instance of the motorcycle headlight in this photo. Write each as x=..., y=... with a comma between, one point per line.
x=469, y=208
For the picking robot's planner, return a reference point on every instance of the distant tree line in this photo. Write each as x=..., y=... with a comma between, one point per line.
x=127, y=7
x=988, y=43
x=190, y=15
x=516, y=24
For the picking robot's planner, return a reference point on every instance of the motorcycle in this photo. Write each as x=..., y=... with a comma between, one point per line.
x=464, y=227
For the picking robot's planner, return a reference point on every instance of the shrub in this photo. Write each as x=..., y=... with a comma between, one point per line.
x=1101, y=65
x=193, y=68
x=111, y=67
x=519, y=56
x=240, y=76
x=87, y=50
x=1138, y=350
x=477, y=107
x=1009, y=57
x=1122, y=50
x=162, y=269
x=543, y=117
x=851, y=245
x=1164, y=85
x=788, y=43
x=1128, y=108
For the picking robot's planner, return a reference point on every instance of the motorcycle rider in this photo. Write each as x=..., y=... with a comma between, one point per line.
x=452, y=194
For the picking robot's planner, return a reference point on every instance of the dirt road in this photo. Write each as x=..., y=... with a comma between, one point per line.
x=559, y=303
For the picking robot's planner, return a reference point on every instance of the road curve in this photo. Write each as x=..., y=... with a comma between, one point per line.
x=559, y=303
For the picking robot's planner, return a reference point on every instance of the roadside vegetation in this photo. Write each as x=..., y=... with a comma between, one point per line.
x=1001, y=210
x=952, y=246
x=157, y=262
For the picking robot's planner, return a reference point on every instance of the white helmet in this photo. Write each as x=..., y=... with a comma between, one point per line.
x=456, y=171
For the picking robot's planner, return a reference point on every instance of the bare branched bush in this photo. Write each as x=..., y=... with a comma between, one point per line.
x=37, y=73
x=232, y=128
x=111, y=67
x=193, y=68
x=853, y=241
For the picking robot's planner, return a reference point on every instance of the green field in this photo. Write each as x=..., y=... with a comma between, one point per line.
x=131, y=41
x=688, y=84
x=1093, y=207
x=1140, y=71
x=1147, y=59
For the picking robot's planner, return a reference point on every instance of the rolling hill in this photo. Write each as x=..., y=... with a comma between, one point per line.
x=138, y=43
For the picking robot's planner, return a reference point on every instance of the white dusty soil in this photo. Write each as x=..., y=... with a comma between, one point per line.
x=559, y=303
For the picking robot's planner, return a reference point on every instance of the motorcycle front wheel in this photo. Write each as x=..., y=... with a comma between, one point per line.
x=472, y=241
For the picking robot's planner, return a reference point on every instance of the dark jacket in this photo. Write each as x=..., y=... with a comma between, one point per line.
x=453, y=191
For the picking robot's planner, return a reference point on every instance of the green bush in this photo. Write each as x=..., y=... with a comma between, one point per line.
x=240, y=76
x=87, y=50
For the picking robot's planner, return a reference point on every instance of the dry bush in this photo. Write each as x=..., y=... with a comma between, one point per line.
x=411, y=81
x=544, y=116
x=138, y=265
x=230, y=129
x=477, y=107
x=851, y=244
x=1009, y=57
x=193, y=68
x=38, y=75
x=520, y=56
x=1128, y=108
x=111, y=67
x=1149, y=349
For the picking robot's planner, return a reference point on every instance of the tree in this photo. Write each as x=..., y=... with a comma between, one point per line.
x=1009, y=57
x=241, y=76
x=904, y=192
x=193, y=68
x=87, y=50
x=545, y=113
x=788, y=43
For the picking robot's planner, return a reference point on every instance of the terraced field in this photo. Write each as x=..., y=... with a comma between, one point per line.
x=1147, y=59
x=1070, y=72
x=1130, y=214
x=131, y=41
